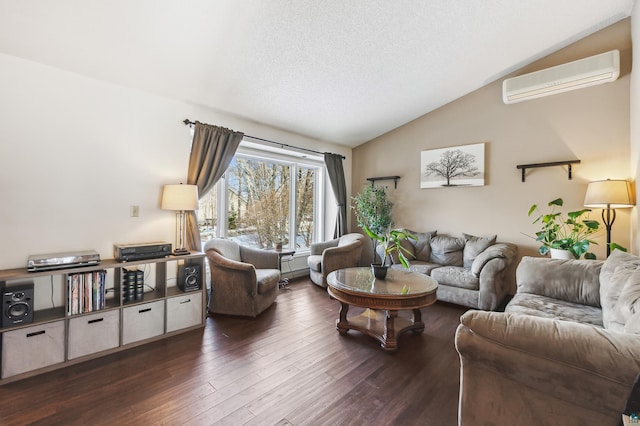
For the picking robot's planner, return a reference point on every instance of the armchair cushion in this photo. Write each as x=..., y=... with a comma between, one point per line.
x=315, y=262
x=268, y=280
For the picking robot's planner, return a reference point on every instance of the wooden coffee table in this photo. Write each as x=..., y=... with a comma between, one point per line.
x=400, y=290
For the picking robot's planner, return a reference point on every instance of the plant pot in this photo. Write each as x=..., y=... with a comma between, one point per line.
x=561, y=254
x=379, y=271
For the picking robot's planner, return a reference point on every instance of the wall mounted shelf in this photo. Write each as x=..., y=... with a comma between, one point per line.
x=394, y=178
x=567, y=163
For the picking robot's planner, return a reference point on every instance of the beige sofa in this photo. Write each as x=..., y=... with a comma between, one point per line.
x=328, y=256
x=566, y=350
x=471, y=271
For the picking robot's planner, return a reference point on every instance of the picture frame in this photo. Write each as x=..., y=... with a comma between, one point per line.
x=454, y=166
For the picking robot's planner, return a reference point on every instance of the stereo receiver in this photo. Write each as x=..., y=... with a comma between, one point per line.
x=141, y=251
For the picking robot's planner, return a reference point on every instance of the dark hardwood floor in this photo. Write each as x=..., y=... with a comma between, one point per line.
x=287, y=367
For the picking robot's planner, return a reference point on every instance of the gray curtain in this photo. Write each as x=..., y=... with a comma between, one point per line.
x=212, y=150
x=336, y=177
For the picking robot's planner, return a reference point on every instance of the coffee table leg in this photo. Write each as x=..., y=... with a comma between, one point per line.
x=417, y=322
x=390, y=343
x=343, y=325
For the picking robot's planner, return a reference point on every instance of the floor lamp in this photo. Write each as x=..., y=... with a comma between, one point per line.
x=609, y=195
x=181, y=198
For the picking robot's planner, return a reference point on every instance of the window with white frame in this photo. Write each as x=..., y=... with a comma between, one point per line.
x=265, y=198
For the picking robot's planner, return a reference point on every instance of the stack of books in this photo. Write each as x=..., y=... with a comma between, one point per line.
x=86, y=292
x=132, y=285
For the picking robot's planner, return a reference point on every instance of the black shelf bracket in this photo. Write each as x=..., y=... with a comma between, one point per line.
x=567, y=163
x=394, y=178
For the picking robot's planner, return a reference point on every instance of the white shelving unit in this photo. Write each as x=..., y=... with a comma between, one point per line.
x=55, y=339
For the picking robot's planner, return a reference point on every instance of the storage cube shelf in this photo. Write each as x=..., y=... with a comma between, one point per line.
x=56, y=338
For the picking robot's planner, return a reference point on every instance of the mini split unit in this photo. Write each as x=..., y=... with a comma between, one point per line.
x=598, y=69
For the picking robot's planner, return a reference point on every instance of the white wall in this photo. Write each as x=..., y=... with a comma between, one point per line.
x=76, y=153
x=590, y=124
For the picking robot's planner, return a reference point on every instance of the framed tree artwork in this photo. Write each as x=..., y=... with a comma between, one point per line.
x=454, y=166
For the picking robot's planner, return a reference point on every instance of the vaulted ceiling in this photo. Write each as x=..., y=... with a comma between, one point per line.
x=340, y=71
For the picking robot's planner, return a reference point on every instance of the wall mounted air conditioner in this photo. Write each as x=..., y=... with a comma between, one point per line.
x=598, y=69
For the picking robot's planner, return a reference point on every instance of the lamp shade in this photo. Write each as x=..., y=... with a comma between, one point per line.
x=609, y=193
x=180, y=197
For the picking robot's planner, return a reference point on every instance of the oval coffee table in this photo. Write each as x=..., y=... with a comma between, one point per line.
x=400, y=290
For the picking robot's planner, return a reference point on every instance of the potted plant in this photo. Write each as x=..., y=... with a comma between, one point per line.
x=373, y=214
x=570, y=233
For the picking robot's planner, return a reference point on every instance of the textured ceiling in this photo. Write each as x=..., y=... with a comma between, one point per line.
x=341, y=71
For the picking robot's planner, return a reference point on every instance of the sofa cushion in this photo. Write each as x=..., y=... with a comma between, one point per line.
x=474, y=246
x=446, y=250
x=418, y=266
x=548, y=307
x=456, y=276
x=422, y=246
x=616, y=272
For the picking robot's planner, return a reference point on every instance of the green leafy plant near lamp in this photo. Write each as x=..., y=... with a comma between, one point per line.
x=569, y=233
x=372, y=208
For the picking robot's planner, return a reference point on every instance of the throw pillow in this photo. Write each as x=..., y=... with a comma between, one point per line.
x=474, y=246
x=422, y=247
x=615, y=272
x=447, y=250
x=409, y=252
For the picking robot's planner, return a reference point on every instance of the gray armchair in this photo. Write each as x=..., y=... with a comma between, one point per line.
x=244, y=280
x=328, y=256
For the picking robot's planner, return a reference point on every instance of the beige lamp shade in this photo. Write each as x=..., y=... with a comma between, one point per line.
x=180, y=197
x=613, y=194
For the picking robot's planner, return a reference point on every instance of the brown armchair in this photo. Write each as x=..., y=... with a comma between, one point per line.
x=326, y=257
x=244, y=280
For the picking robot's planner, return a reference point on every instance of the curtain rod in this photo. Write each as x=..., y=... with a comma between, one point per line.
x=190, y=123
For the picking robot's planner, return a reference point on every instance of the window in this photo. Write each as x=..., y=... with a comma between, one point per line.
x=263, y=199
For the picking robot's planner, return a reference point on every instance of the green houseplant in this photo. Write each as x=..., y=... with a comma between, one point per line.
x=570, y=232
x=372, y=208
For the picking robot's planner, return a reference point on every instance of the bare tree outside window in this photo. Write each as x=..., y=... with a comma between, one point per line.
x=258, y=199
x=459, y=166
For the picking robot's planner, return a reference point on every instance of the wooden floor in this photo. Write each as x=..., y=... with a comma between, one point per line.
x=287, y=367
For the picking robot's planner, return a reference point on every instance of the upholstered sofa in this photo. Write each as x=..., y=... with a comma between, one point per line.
x=471, y=271
x=566, y=350
x=338, y=253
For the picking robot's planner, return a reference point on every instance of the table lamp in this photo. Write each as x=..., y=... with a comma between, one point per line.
x=181, y=198
x=609, y=195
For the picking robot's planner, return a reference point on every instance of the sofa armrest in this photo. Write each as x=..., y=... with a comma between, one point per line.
x=522, y=369
x=318, y=248
x=496, y=280
x=506, y=251
x=576, y=281
x=261, y=259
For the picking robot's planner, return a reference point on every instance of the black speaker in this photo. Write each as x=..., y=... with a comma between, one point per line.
x=190, y=277
x=17, y=305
